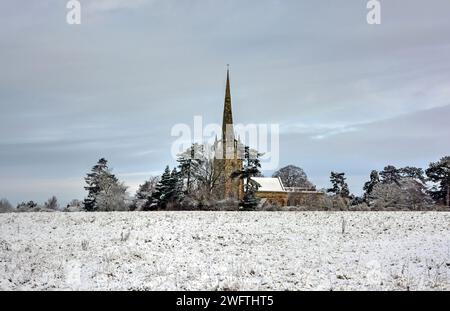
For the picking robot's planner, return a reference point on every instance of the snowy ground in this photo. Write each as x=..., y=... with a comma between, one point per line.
x=225, y=250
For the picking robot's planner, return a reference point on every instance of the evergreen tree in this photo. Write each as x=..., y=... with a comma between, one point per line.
x=176, y=185
x=159, y=196
x=439, y=173
x=93, y=184
x=27, y=206
x=339, y=186
x=411, y=172
x=250, y=169
x=105, y=192
x=369, y=186
x=168, y=190
x=390, y=174
x=144, y=193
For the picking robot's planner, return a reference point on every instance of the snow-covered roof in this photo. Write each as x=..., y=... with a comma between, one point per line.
x=269, y=184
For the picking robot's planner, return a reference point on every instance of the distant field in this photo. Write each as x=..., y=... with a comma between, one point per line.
x=225, y=250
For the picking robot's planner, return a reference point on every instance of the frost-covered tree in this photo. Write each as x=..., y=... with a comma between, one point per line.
x=439, y=173
x=369, y=185
x=144, y=193
x=293, y=176
x=190, y=164
x=407, y=194
x=338, y=185
x=113, y=196
x=386, y=196
x=250, y=169
x=52, y=203
x=167, y=191
x=208, y=175
x=5, y=206
x=105, y=192
x=200, y=174
x=400, y=188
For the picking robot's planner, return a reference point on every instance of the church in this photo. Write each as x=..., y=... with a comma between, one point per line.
x=229, y=158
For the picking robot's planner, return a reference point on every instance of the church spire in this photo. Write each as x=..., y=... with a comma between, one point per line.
x=227, y=123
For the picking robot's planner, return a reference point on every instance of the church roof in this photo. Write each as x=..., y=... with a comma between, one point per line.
x=269, y=184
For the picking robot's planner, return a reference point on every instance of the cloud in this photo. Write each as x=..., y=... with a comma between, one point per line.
x=334, y=132
x=348, y=96
x=318, y=130
x=412, y=139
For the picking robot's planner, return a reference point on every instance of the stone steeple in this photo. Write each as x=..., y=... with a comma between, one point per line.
x=228, y=161
x=227, y=123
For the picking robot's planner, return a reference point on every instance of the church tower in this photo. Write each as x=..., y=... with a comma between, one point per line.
x=228, y=159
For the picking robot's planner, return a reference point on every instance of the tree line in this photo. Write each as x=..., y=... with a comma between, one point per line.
x=402, y=188
x=191, y=183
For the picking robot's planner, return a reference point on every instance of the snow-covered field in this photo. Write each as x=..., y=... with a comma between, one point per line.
x=225, y=251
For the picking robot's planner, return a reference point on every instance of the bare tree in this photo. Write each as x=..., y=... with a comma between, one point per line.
x=52, y=203
x=113, y=196
x=5, y=206
x=293, y=176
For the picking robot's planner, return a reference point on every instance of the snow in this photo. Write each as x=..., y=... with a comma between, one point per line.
x=269, y=184
x=225, y=250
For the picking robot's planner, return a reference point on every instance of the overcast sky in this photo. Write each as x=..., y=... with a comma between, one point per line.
x=348, y=96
